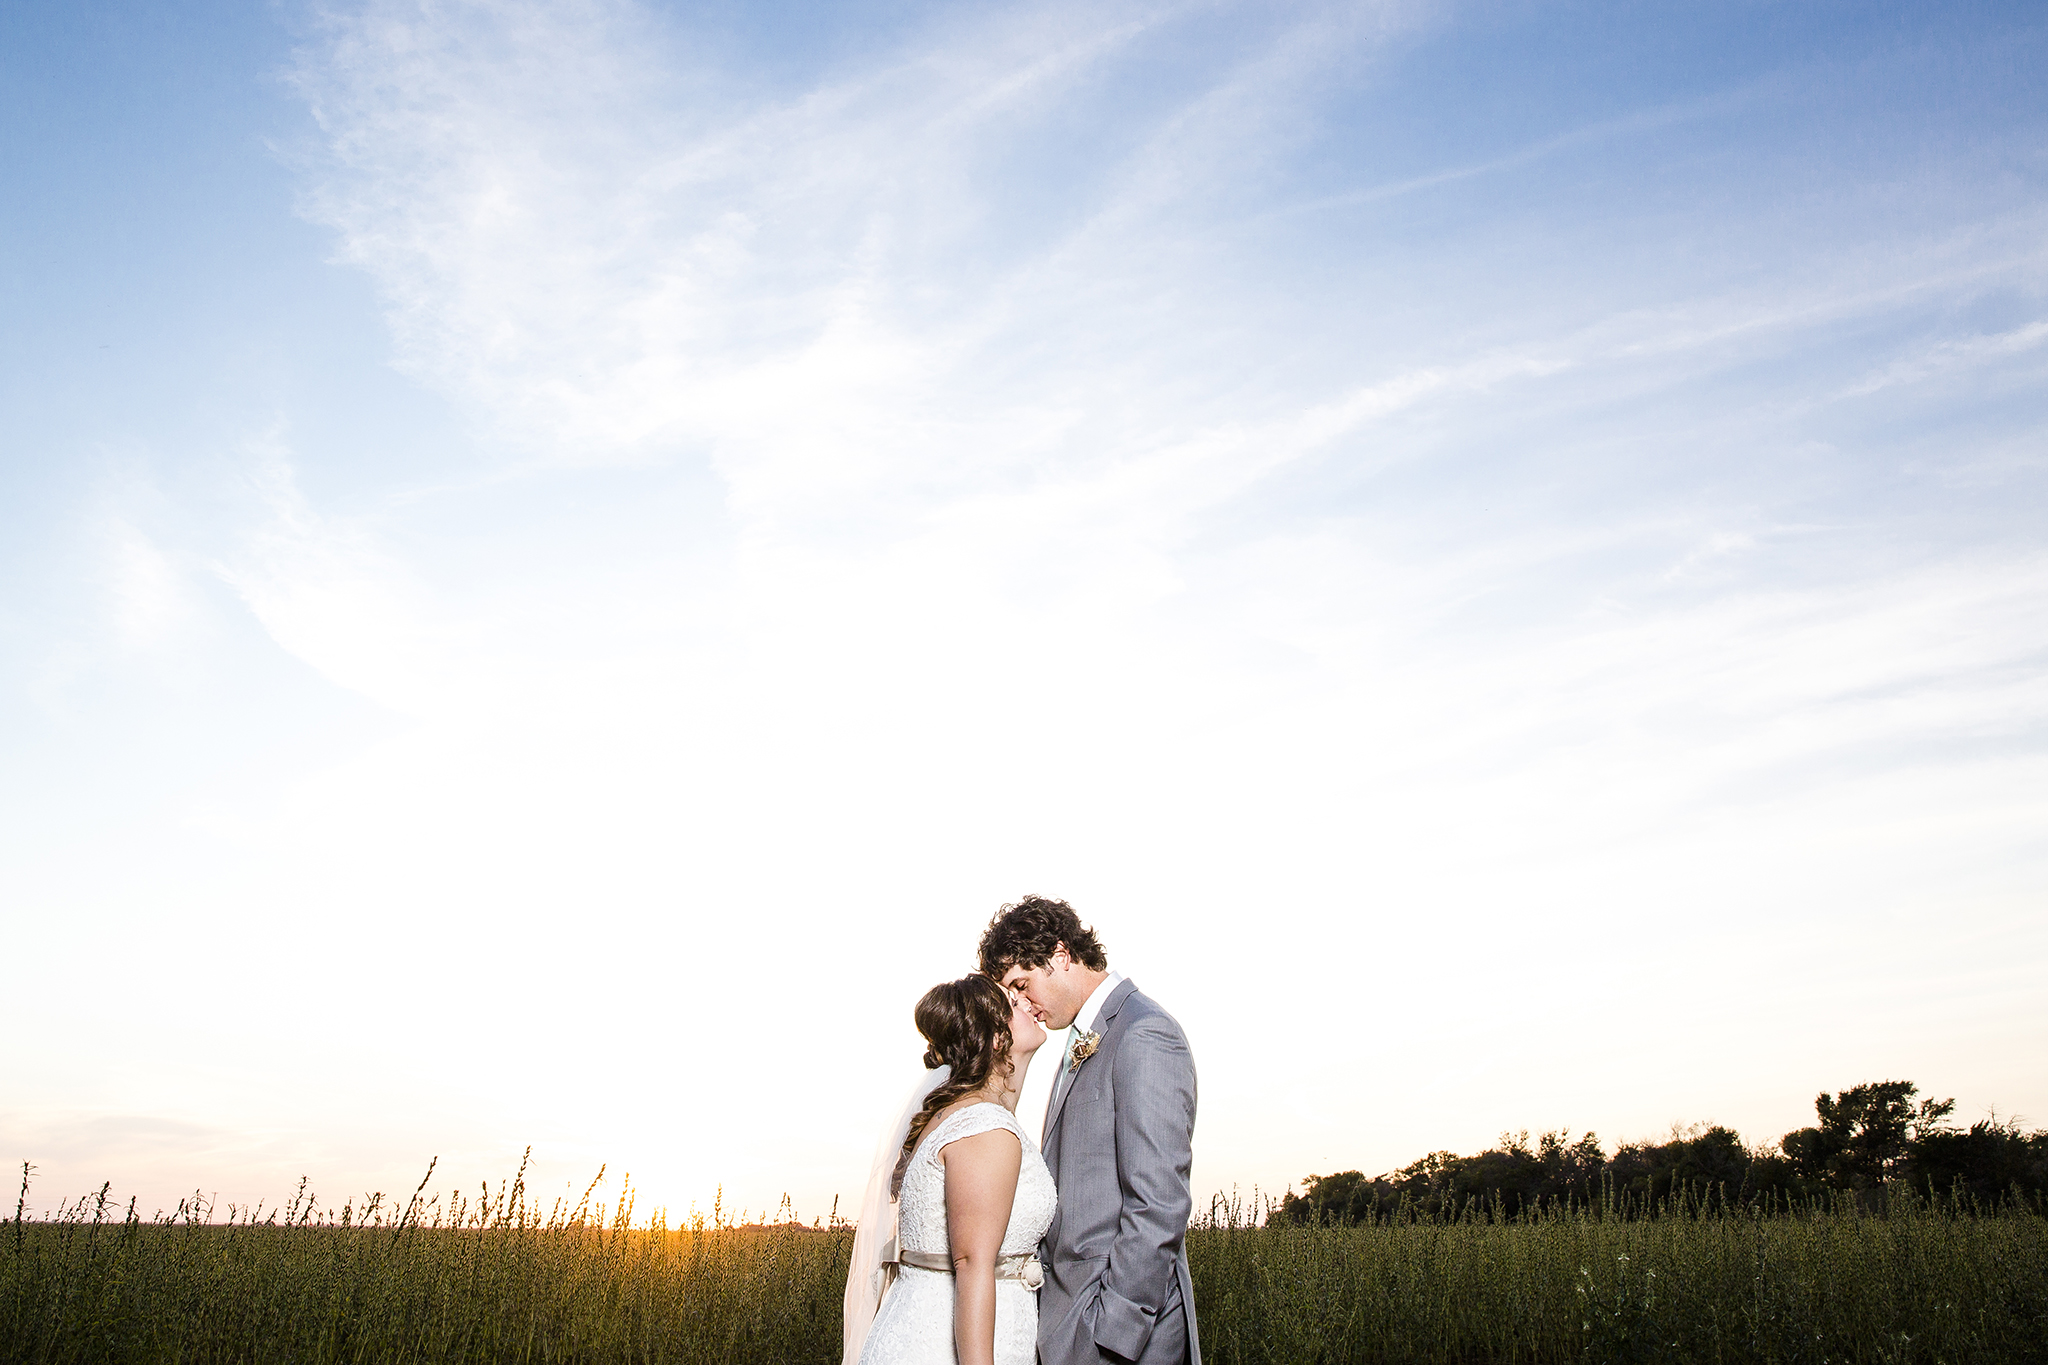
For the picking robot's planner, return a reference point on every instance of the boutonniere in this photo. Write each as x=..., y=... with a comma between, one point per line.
x=1085, y=1044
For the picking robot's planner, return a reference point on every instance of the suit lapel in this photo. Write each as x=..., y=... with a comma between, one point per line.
x=1063, y=1084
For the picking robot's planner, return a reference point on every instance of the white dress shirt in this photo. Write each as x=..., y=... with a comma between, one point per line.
x=1091, y=1009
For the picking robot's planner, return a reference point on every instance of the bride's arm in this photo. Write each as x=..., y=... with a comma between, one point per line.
x=981, y=1186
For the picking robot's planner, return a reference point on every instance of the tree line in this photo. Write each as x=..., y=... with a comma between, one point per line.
x=1868, y=1137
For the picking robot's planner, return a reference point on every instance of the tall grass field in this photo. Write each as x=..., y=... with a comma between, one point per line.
x=495, y=1280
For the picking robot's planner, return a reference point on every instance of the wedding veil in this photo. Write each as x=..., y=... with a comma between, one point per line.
x=874, y=1240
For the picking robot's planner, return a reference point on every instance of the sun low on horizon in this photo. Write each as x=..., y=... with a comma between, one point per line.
x=559, y=561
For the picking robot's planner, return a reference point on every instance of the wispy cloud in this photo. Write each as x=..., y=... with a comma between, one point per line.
x=1951, y=354
x=332, y=594
x=1055, y=434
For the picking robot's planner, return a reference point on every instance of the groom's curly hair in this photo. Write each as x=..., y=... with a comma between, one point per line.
x=966, y=1026
x=1025, y=933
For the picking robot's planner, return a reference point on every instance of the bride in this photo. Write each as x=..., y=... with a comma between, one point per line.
x=948, y=1236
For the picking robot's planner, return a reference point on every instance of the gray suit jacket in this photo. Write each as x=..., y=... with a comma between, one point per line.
x=1119, y=1139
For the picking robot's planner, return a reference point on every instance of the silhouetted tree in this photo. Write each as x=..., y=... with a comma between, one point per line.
x=1864, y=1135
x=1985, y=1162
x=1515, y=1175
x=1346, y=1197
x=1701, y=1157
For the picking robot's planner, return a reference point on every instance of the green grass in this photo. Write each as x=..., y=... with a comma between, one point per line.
x=451, y=1280
x=1840, y=1284
x=260, y=1293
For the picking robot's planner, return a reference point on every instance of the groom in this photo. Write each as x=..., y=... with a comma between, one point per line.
x=1117, y=1139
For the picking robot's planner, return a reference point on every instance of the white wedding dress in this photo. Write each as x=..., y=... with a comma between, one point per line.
x=914, y=1325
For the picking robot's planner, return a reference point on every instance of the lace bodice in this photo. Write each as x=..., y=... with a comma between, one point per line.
x=921, y=1210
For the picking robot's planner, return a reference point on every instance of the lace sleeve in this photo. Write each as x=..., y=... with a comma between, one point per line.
x=966, y=1123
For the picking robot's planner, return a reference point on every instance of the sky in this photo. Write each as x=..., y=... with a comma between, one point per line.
x=559, y=561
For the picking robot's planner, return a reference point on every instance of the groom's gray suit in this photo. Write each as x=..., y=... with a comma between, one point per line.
x=1118, y=1138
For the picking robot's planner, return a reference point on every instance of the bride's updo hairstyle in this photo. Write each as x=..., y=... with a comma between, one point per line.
x=966, y=1025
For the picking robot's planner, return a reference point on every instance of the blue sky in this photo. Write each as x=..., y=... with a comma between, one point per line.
x=559, y=560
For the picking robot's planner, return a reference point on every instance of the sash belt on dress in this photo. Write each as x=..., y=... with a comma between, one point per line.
x=1024, y=1266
